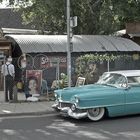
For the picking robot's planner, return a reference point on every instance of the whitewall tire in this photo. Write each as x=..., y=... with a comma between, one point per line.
x=96, y=114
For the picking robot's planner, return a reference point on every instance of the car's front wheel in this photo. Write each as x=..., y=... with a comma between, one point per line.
x=96, y=114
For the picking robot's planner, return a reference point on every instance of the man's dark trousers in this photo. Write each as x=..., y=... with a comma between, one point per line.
x=9, y=83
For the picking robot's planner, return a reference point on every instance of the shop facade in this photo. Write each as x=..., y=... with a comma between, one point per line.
x=48, y=54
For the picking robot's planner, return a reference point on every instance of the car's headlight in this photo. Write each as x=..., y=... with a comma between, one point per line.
x=55, y=95
x=76, y=100
x=73, y=107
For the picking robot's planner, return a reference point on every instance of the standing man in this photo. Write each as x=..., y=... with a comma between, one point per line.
x=8, y=70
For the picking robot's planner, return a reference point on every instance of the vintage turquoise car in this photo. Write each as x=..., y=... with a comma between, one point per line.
x=116, y=93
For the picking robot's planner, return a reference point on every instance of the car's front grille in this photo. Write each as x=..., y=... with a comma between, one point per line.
x=62, y=104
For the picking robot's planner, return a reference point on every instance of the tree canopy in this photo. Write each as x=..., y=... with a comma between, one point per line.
x=94, y=16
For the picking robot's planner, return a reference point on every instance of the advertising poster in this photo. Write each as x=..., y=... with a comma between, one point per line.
x=34, y=78
x=43, y=62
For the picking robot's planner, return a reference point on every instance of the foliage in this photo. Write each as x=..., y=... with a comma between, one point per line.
x=94, y=16
x=130, y=10
x=43, y=16
x=86, y=64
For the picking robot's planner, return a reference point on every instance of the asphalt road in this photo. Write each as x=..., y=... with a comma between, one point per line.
x=54, y=127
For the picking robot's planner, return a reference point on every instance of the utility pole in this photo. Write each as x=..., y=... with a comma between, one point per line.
x=71, y=23
x=68, y=44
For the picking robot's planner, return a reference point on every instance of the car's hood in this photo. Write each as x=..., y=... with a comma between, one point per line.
x=94, y=89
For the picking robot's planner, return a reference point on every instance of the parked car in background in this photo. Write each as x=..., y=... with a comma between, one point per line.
x=116, y=93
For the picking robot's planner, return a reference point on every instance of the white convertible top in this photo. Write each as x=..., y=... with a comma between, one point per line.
x=127, y=73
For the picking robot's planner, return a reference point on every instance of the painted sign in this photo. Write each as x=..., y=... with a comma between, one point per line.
x=34, y=78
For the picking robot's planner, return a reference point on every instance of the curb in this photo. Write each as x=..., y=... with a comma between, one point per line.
x=40, y=100
x=15, y=111
x=28, y=114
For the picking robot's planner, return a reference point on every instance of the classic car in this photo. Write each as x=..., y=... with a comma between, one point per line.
x=116, y=93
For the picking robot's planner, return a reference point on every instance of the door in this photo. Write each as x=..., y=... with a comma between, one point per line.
x=133, y=99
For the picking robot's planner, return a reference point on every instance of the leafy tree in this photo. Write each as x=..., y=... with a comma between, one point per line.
x=85, y=65
x=94, y=16
x=45, y=15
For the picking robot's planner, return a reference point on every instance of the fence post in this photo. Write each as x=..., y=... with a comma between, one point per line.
x=108, y=66
x=15, y=96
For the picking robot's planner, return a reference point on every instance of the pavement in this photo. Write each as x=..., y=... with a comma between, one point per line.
x=23, y=107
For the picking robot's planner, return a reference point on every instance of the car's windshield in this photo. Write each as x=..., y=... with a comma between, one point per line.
x=112, y=79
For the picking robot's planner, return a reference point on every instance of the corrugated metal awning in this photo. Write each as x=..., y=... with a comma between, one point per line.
x=81, y=43
x=123, y=32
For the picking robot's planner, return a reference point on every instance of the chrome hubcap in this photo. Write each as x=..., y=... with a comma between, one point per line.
x=95, y=112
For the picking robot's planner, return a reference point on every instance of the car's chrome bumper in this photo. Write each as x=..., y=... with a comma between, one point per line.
x=60, y=105
x=66, y=111
x=56, y=107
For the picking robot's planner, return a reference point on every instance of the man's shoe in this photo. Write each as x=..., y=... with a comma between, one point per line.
x=10, y=101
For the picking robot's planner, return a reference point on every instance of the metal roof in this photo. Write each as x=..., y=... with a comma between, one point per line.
x=81, y=43
x=18, y=31
x=123, y=32
x=120, y=32
x=127, y=73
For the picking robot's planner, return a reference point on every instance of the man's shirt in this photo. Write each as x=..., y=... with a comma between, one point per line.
x=8, y=67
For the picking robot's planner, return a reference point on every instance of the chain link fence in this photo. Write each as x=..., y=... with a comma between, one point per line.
x=51, y=67
x=42, y=72
x=38, y=72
